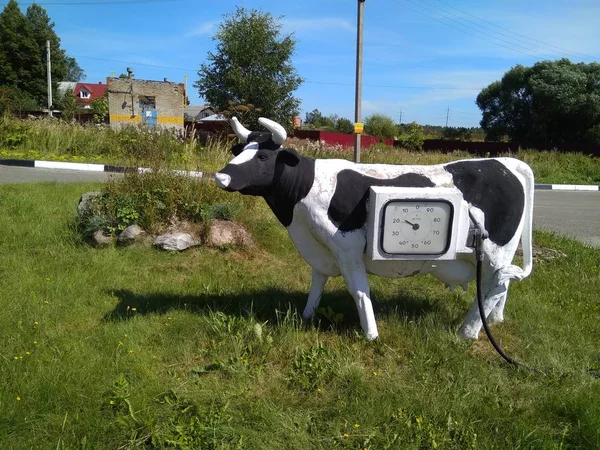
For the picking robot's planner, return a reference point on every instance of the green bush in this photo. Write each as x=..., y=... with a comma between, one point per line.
x=155, y=199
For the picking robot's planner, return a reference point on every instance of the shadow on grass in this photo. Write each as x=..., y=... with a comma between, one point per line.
x=264, y=305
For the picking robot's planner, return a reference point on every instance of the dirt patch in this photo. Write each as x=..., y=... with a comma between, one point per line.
x=543, y=253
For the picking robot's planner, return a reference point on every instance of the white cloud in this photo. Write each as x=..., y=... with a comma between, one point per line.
x=202, y=29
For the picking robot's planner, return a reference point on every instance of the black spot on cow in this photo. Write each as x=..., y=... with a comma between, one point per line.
x=348, y=207
x=493, y=188
x=294, y=177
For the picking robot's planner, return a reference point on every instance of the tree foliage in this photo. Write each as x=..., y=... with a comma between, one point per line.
x=412, y=136
x=317, y=121
x=457, y=133
x=251, y=65
x=381, y=126
x=551, y=102
x=23, y=52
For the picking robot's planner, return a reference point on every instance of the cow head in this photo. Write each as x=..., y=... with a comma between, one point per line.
x=259, y=159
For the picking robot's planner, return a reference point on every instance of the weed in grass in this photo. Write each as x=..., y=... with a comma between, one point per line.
x=312, y=368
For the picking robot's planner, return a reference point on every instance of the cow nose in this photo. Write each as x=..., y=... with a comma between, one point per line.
x=222, y=180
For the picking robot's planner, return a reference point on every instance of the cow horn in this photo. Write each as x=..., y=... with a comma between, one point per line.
x=278, y=132
x=241, y=131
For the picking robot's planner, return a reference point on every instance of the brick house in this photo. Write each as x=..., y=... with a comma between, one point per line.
x=145, y=102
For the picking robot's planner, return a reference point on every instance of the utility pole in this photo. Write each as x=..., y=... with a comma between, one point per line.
x=358, y=126
x=400, y=123
x=447, y=114
x=49, y=78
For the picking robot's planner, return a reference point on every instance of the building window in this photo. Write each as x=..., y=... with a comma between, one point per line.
x=147, y=102
x=84, y=94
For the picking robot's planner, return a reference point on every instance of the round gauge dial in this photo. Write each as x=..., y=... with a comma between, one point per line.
x=417, y=227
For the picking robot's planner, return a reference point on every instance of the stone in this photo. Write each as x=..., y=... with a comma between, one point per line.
x=225, y=233
x=177, y=241
x=102, y=238
x=86, y=204
x=131, y=234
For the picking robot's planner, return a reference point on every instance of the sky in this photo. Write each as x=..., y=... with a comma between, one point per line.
x=424, y=60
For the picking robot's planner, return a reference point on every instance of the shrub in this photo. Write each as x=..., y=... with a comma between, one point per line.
x=381, y=126
x=156, y=199
x=413, y=136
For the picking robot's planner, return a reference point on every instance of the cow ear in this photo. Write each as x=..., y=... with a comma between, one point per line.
x=237, y=148
x=288, y=156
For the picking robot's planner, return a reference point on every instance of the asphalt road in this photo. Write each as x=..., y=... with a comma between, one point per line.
x=9, y=174
x=574, y=214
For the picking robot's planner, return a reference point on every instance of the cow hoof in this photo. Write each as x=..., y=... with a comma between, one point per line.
x=372, y=336
x=307, y=315
x=495, y=318
x=468, y=333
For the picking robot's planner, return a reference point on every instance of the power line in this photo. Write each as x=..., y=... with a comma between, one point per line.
x=534, y=49
x=332, y=83
x=518, y=34
x=135, y=63
x=461, y=30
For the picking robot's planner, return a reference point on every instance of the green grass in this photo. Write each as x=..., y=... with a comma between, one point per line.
x=60, y=141
x=135, y=348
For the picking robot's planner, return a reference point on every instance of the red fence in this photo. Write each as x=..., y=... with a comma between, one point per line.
x=345, y=140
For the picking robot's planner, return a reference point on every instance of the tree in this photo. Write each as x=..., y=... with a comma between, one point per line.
x=74, y=72
x=251, y=65
x=412, y=136
x=100, y=109
x=344, y=125
x=381, y=126
x=23, y=52
x=19, y=55
x=314, y=118
x=552, y=102
x=457, y=134
x=68, y=105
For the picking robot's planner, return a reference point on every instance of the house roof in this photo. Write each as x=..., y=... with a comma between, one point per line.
x=213, y=118
x=96, y=90
x=64, y=86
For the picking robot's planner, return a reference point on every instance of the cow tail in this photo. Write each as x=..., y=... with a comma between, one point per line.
x=515, y=272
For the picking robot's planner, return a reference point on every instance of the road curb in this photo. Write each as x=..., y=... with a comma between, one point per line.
x=118, y=169
x=567, y=187
x=87, y=167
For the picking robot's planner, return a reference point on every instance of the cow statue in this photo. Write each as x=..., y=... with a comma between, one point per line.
x=323, y=205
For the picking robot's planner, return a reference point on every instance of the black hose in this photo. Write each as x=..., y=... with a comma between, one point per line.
x=480, y=235
x=488, y=332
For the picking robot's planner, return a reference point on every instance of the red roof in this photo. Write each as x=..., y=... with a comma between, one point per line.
x=96, y=90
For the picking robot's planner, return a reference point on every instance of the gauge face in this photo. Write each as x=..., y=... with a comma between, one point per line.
x=416, y=227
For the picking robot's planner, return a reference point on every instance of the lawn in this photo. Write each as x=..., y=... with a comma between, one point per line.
x=136, y=348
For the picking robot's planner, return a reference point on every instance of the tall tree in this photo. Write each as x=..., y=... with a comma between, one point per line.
x=74, y=71
x=19, y=53
x=23, y=52
x=251, y=65
x=43, y=30
x=550, y=102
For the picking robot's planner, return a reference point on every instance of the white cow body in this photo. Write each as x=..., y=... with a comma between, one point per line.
x=332, y=252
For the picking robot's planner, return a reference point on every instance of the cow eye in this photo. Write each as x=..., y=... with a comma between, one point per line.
x=262, y=157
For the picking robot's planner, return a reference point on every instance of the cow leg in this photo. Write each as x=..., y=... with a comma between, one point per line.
x=358, y=286
x=314, y=296
x=493, y=294
x=497, y=314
